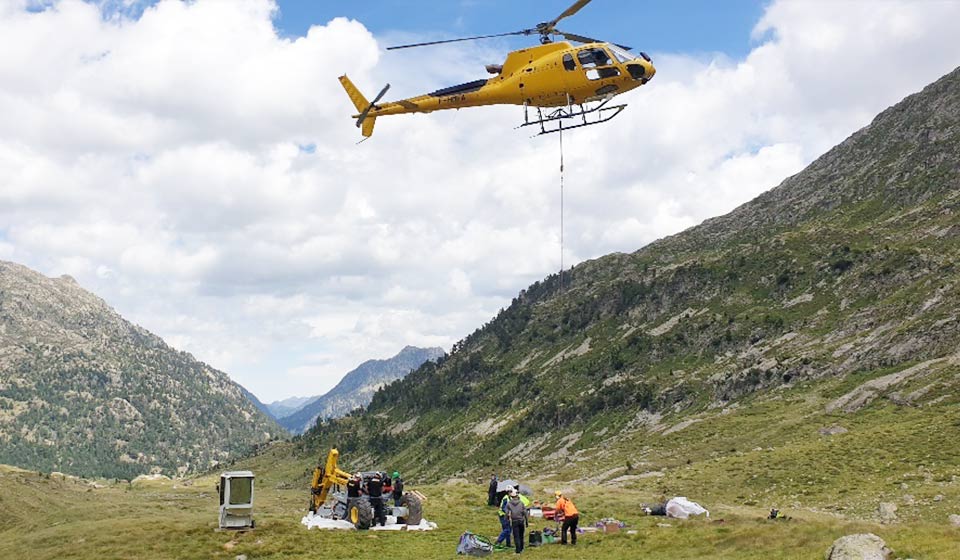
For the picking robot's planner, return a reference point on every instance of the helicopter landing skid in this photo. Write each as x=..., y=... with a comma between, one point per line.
x=584, y=116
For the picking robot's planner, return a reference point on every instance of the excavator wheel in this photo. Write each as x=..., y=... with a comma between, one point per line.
x=360, y=513
x=414, y=509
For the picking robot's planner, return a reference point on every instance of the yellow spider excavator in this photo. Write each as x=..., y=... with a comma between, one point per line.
x=327, y=498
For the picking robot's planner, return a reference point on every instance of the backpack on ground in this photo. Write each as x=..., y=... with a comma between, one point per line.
x=474, y=545
x=536, y=538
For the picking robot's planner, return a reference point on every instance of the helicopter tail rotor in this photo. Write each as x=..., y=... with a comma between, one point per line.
x=365, y=122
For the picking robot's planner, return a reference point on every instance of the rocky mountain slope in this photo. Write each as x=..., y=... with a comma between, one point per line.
x=84, y=391
x=818, y=321
x=357, y=387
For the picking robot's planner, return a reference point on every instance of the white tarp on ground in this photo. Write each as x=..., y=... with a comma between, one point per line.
x=315, y=521
x=682, y=508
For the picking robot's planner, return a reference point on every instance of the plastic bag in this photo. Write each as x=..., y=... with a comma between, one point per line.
x=682, y=508
x=474, y=545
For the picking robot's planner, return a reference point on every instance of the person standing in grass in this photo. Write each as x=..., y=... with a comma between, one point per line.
x=518, y=516
x=505, y=529
x=492, y=490
x=375, y=491
x=397, y=488
x=571, y=518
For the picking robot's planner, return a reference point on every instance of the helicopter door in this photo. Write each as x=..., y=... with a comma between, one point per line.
x=597, y=64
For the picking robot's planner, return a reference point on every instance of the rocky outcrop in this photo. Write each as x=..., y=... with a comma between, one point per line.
x=864, y=546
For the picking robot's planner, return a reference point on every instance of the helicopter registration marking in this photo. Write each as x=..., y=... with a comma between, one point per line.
x=452, y=99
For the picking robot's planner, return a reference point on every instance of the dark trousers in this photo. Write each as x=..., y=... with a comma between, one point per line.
x=505, y=531
x=569, y=523
x=379, y=515
x=518, y=527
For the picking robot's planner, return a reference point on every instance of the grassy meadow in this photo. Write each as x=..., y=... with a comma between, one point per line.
x=50, y=517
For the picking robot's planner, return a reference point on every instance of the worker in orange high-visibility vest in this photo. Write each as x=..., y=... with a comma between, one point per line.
x=571, y=517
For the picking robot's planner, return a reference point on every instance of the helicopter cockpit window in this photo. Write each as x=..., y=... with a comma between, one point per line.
x=568, y=62
x=591, y=58
x=622, y=55
x=600, y=73
x=597, y=63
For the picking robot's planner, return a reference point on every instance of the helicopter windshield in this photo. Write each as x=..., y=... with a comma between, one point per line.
x=622, y=55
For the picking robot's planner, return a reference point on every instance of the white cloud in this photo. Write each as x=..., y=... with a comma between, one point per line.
x=201, y=173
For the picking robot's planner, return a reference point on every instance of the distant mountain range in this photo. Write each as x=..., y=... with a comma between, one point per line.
x=354, y=391
x=288, y=406
x=86, y=392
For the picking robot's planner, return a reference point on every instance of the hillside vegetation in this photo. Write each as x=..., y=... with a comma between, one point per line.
x=801, y=350
x=85, y=392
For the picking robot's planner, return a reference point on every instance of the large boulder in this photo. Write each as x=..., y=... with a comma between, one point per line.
x=865, y=546
x=954, y=520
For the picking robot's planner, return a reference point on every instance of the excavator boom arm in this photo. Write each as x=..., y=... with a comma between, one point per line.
x=326, y=477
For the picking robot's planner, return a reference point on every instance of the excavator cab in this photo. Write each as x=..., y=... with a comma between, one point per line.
x=236, y=500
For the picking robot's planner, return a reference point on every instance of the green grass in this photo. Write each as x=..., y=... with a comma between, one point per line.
x=69, y=519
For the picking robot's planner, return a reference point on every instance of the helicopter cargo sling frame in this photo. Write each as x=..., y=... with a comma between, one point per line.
x=597, y=114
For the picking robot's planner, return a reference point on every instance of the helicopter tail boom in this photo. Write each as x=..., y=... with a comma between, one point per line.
x=365, y=121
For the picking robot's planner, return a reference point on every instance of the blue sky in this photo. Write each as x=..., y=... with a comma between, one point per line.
x=689, y=26
x=678, y=26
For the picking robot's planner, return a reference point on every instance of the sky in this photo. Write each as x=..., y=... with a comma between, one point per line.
x=194, y=163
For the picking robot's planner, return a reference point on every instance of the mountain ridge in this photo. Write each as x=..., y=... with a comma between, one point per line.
x=357, y=387
x=84, y=391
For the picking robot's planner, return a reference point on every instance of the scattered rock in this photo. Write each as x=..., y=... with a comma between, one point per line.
x=954, y=520
x=664, y=525
x=938, y=498
x=833, y=430
x=241, y=557
x=888, y=512
x=865, y=546
x=909, y=499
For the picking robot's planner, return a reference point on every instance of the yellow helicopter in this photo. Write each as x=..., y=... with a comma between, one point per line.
x=578, y=80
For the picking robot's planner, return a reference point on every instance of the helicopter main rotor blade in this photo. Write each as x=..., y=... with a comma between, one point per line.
x=569, y=12
x=585, y=39
x=577, y=38
x=523, y=32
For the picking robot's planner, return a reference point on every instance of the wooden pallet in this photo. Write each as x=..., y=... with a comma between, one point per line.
x=418, y=495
